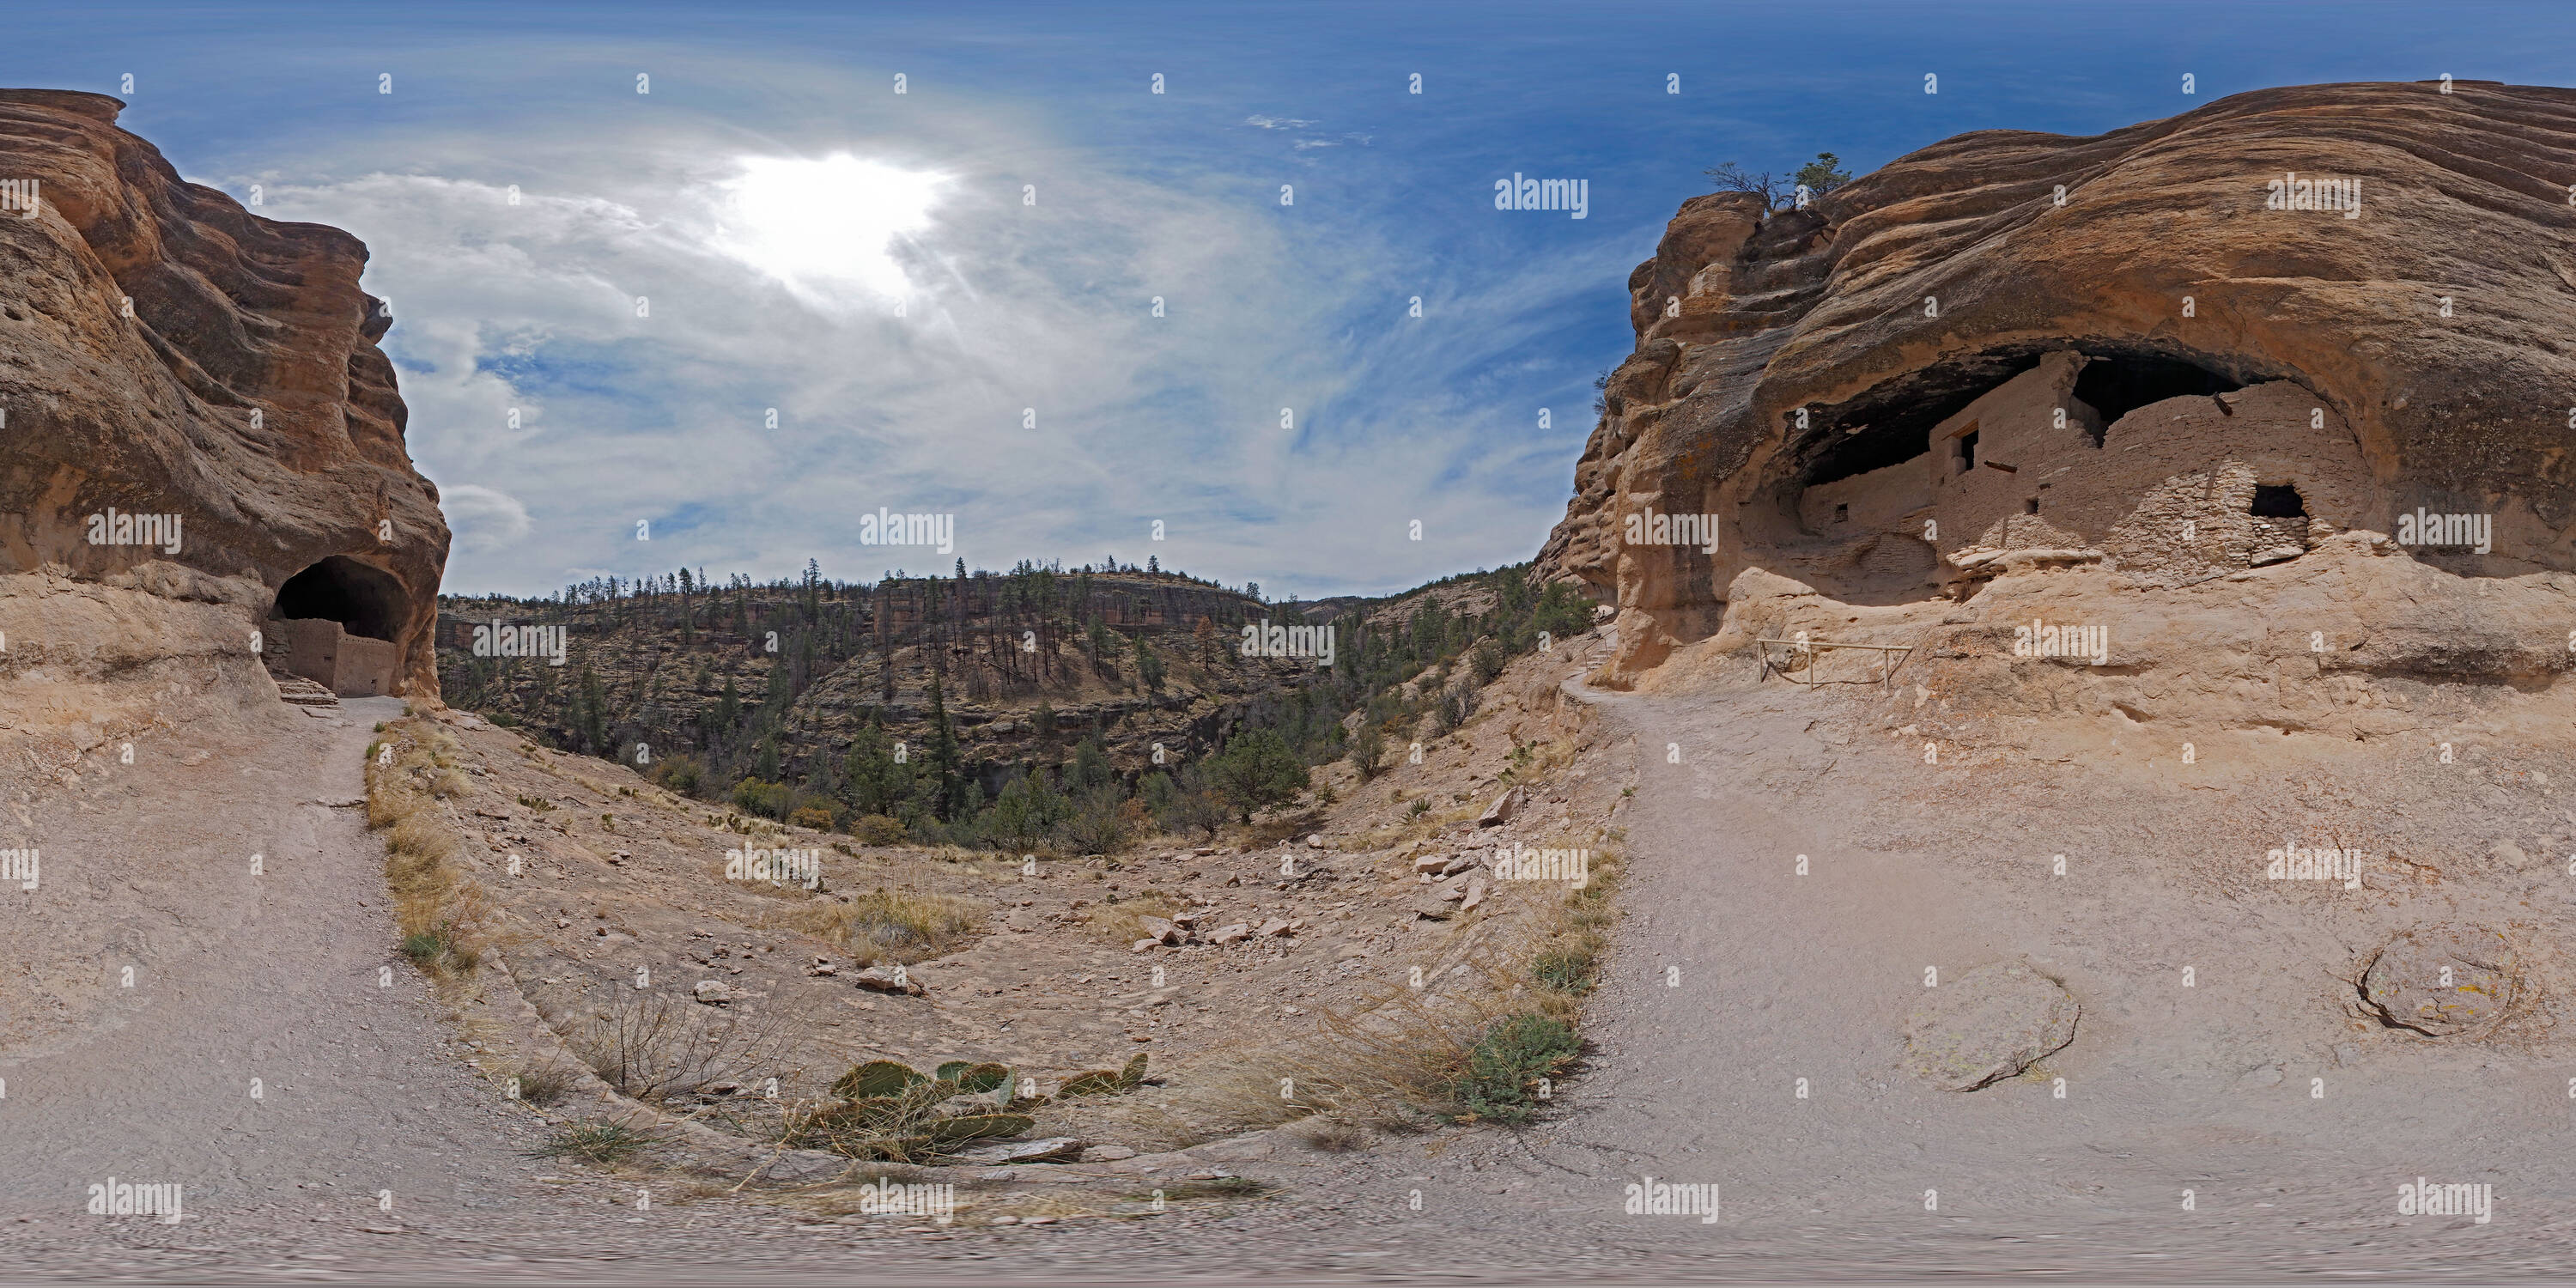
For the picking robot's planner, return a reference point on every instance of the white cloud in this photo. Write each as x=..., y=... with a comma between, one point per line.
x=642, y=323
x=483, y=519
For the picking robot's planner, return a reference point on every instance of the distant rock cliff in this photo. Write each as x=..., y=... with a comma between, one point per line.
x=2174, y=351
x=196, y=414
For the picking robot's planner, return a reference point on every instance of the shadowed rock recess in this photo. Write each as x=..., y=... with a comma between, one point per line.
x=2014, y=350
x=201, y=439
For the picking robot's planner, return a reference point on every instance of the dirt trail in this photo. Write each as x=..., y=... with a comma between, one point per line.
x=1733, y=978
x=285, y=979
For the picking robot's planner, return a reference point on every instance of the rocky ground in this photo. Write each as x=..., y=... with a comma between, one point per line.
x=2254, y=1121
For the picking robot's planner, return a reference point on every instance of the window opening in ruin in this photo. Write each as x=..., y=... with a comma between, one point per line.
x=1842, y=514
x=364, y=600
x=2030, y=506
x=1967, y=451
x=2278, y=501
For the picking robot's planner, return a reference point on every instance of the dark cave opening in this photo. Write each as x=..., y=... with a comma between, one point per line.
x=364, y=600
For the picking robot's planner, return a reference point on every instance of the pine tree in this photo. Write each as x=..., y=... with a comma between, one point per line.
x=944, y=789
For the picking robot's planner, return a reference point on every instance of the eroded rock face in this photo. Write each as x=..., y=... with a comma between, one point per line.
x=169, y=358
x=1990, y=1023
x=1945, y=356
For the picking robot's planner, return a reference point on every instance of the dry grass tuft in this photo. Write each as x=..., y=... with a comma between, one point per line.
x=888, y=925
x=1123, y=922
x=1406, y=1058
x=444, y=916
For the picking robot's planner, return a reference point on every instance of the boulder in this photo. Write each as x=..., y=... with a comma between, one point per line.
x=1990, y=1023
x=1229, y=934
x=714, y=992
x=1431, y=864
x=2441, y=981
x=877, y=979
x=1274, y=927
x=1501, y=811
x=1054, y=1149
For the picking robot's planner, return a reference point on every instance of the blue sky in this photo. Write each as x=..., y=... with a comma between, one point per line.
x=771, y=200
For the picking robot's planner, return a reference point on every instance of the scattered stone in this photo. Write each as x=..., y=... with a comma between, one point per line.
x=878, y=979
x=1054, y=1149
x=1502, y=810
x=1107, y=1154
x=714, y=992
x=1432, y=907
x=1475, y=892
x=1274, y=926
x=1314, y=840
x=2404, y=983
x=1143, y=945
x=1229, y=934
x=1431, y=864
x=1457, y=864
x=1163, y=932
x=1204, y=850
x=1990, y=1023
x=822, y=966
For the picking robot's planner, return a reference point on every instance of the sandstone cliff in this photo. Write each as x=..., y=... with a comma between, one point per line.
x=193, y=413
x=2113, y=351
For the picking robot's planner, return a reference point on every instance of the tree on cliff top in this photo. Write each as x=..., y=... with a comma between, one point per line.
x=1818, y=177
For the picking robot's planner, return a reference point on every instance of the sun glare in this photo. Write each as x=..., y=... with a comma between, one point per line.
x=827, y=227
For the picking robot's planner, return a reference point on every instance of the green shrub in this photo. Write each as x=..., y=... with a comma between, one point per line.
x=877, y=829
x=1506, y=1064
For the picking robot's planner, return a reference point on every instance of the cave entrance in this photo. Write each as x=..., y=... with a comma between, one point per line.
x=334, y=624
x=363, y=600
x=2278, y=502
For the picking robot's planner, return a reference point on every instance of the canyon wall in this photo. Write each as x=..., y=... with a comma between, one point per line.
x=2175, y=351
x=199, y=437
